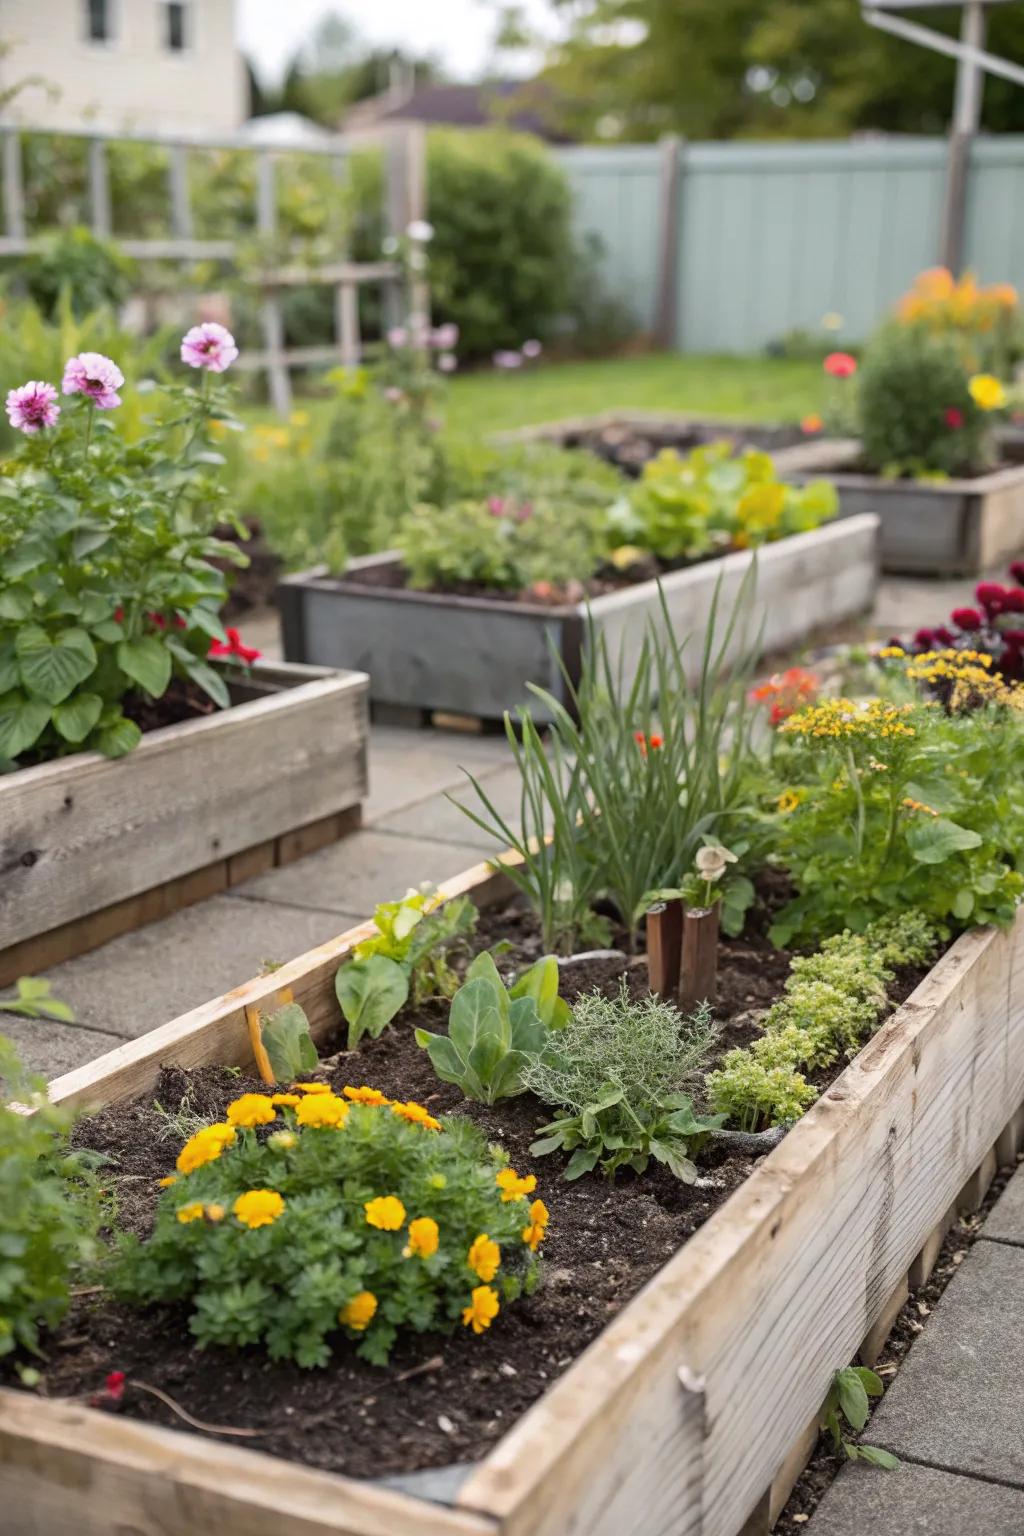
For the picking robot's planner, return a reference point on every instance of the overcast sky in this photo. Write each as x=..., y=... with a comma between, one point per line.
x=458, y=31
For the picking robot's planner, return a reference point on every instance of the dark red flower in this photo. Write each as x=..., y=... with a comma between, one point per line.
x=991, y=596
x=114, y=1385
x=944, y=636
x=966, y=618
x=157, y=619
x=954, y=417
x=234, y=648
x=1013, y=600
x=1017, y=571
x=118, y=615
x=925, y=638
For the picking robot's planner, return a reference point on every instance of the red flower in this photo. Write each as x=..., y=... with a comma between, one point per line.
x=944, y=636
x=811, y=424
x=118, y=615
x=788, y=691
x=841, y=365
x=925, y=638
x=643, y=742
x=954, y=417
x=991, y=596
x=1013, y=600
x=966, y=618
x=157, y=619
x=234, y=648
x=114, y=1385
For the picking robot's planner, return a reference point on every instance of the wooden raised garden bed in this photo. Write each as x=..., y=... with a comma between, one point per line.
x=91, y=848
x=935, y=528
x=475, y=655
x=690, y=1412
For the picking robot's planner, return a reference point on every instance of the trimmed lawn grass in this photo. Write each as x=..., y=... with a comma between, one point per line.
x=743, y=388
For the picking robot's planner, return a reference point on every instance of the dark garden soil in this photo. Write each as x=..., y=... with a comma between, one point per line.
x=629, y=446
x=442, y=1399
x=183, y=701
x=824, y=1466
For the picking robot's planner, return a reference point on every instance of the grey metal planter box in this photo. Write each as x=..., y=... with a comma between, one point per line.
x=475, y=656
x=950, y=528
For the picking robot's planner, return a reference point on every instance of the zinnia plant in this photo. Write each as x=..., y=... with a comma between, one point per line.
x=107, y=584
x=307, y=1217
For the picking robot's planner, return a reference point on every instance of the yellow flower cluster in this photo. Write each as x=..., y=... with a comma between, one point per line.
x=322, y=1109
x=987, y=392
x=535, y=1233
x=787, y=801
x=416, y=1115
x=258, y=1207
x=850, y=720
x=204, y=1147
x=943, y=303
x=386, y=1213
x=512, y=1186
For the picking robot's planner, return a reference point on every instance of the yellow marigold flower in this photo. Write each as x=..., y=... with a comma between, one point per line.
x=416, y=1115
x=889, y=651
x=365, y=1095
x=484, y=1257
x=512, y=1186
x=290, y=1100
x=258, y=1207
x=311, y=1087
x=535, y=1233
x=386, y=1212
x=204, y=1147
x=192, y=1212
x=423, y=1238
x=215, y=1212
x=322, y=1109
x=483, y=1309
x=787, y=801
x=360, y=1311
x=282, y=1141
x=919, y=805
x=987, y=392
x=251, y=1109
x=172, y=1178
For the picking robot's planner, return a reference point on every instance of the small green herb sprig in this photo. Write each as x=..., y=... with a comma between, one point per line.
x=849, y=1399
x=407, y=955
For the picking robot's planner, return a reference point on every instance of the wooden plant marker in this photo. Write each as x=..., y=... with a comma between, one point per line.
x=665, y=948
x=699, y=980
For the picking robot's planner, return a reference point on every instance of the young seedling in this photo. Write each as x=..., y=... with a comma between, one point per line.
x=849, y=1399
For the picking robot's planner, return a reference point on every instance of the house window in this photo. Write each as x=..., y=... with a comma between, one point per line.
x=177, y=26
x=99, y=21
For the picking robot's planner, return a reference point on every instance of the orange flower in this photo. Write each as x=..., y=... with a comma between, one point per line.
x=416, y=1115
x=365, y=1095
x=812, y=423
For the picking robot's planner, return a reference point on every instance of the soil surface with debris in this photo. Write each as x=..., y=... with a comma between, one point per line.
x=442, y=1398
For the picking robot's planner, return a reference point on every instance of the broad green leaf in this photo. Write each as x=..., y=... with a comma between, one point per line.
x=476, y=1014
x=870, y=1381
x=210, y=681
x=22, y=722
x=933, y=839
x=484, y=969
x=118, y=738
x=853, y=1399
x=15, y=603
x=581, y=1162
x=963, y=903
x=88, y=539
x=9, y=675
x=147, y=662
x=541, y=983
x=673, y=1155
x=876, y=1457
x=370, y=992
x=288, y=1043
x=547, y=1144
x=53, y=668
x=76, y=717
x=526, y=1027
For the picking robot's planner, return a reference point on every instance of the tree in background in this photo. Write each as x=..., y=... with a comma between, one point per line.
x=714, y=69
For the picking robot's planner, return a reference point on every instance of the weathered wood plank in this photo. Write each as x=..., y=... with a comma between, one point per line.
x=83, y=833
x=65, y=1467
x=781, y=1285
x=217, y=1031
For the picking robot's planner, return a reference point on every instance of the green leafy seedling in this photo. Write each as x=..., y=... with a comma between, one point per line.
x=288, y=1044
x=849, y=1399
x=492, y=1032
x=34, y=1000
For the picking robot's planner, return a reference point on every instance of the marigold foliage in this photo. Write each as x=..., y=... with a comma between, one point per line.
x=371, y=1223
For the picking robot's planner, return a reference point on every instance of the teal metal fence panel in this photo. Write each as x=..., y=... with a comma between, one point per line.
x=772, y=237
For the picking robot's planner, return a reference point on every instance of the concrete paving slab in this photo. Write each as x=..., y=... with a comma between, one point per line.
x=357, y=873
x=1005, y=1222
x=915, y=1501
x=51, y=1048
x=145, y=978
x=407, y=766
x=443, y=822
x=956, y=1402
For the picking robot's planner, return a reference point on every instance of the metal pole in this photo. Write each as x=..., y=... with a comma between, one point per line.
x=970, y=76
x=970, y=85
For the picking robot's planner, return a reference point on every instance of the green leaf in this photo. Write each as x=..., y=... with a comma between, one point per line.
x=476, y=1015
x=118, y=738
x=673, y=1155
x=547, y=1144
x=22, y=722
x=288, y=1043
x=876, y=1457
x=147, y=662
x=541, y=983
x=9, y=675
x=15, y=604
x=370, y=992
x=853, y=1398
x=449, y=1065
x=933, y=839
x=210, y=681
x=871, y=1382
x=76, y=717
x=581, y=1162
x=963, y=903
x=53, y=668
x=88, y=539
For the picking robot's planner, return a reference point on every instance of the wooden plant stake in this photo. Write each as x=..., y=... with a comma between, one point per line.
x=699, y=980
x=664, y=948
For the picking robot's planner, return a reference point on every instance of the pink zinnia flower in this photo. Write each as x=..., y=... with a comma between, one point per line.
x=966, y=618
x=32, y=406
x=991, y=596
x=210, y=346
x=447, y=362
x=393, y=395
x=445, y=338
x=92, y=374
x=841, y=365
x=507, y=359
x=398, y=337
x=532, y=348
x=954, y=417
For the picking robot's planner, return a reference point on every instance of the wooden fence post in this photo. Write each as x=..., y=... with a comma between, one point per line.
x=663, y=321
x=99, y=190
x=181, y=202
x=278, y=379
x=14, y=191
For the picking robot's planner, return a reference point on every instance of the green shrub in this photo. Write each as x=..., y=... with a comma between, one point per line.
x=618, y=1069
x=50, y=1209
x=913, y=385
x=502, y=253
x=364, y=1216
x=501, y=543
x=683, y=508
x=93, y=272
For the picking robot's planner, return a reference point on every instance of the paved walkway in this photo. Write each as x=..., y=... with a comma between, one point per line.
x=955, y=1413
x=411, y=834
